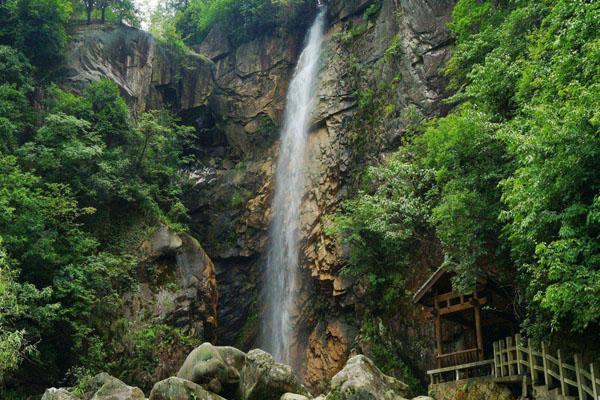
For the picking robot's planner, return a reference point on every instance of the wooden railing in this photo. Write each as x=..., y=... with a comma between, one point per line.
x=513, y=359
x=458, y=357
x=457, y=372
x=518, y=361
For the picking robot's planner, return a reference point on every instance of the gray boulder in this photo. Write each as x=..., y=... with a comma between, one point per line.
x=100, y=387
x=265, y=379
x=216, y=368
x=58, y=394
x=180, y=389
x=362, y=380
x=293, y=396
x=106, y=387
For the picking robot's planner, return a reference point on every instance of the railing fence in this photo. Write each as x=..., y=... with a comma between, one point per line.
x=513, y=357
x=518, y=360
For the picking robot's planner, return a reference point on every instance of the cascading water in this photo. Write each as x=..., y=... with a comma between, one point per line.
x=282, y=276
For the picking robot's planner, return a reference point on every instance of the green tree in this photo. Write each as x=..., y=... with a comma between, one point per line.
x=383, y=224
x=15, y=67
x=515, y=163
x=89, y=8
x=469, y=161
x=112, y=163
x=244, y=20
x=39, y=32
x=15, y=85
x=18, y=302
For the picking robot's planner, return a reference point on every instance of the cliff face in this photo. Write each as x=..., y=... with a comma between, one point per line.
x=235, y=97
x=398, y=50
x=149, y=75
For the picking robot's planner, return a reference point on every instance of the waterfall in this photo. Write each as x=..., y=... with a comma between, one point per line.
x=282, y=281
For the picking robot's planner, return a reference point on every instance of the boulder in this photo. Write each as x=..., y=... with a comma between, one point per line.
x=293, y=396
x=361, y=379
x=216, y=368
x=100, y=387
x=180, y=389
x=265, y=379
x=106, y=387
x=58, y=394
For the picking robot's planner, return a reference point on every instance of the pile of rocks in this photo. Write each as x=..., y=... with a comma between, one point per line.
x=218, y=373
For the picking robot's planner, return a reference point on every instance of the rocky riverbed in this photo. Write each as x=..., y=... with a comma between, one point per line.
x=223, y=372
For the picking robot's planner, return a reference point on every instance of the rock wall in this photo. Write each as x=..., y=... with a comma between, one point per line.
x=176, y=287
x=416, y=31
x=149, y=75
x=470, y=389
x=178, y=284
x=235, y=96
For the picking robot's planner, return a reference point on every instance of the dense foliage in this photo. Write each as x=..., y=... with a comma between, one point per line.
x=507, y=181
x=242, y=20
x=80, y=183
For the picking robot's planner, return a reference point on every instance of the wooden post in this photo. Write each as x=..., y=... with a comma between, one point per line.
x=501, y=346
x=438, y=339
x=532, y=370
x=545, y=364
x=524, y=387
x=519, y=354
x=509, y=355
x=438, y=336
x=496, y=363
x=561, y=373
x=577, y=359
x=595, y=388
x=478, y=332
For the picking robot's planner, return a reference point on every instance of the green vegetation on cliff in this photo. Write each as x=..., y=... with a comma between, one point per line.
x=242, y=20
x=78, y=179
x=507, y=183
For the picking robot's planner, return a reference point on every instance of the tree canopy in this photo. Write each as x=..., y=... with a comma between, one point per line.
x=78, y=178
x=514, y=187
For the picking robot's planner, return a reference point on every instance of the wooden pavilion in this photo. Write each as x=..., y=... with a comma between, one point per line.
x=466, y=324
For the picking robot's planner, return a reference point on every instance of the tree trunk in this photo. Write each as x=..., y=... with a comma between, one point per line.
x=89, y=15
x=103, y=14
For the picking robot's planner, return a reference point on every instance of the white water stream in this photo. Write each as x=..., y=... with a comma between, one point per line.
x=282, y=281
